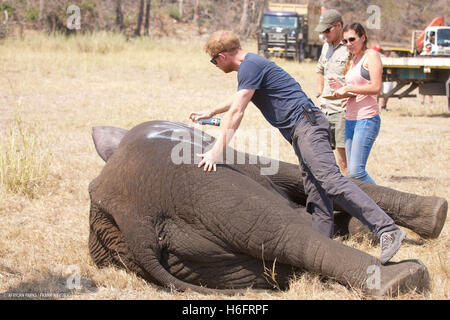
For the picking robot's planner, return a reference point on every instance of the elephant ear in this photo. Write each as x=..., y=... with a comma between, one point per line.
x=107, y=139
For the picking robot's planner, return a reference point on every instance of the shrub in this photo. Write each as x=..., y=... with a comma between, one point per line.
x=32, y=14
x=24, y=161
x=8, y=7
x=173, y=12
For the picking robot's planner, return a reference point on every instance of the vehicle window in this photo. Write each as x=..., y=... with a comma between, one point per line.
x=443, y=37
x=277, y=21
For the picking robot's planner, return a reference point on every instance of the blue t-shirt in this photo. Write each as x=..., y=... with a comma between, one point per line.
x=277, y=94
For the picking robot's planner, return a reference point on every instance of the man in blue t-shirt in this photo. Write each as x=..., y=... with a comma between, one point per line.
x=285, y=106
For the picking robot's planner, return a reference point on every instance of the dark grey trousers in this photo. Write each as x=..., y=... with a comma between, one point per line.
x=324, y=182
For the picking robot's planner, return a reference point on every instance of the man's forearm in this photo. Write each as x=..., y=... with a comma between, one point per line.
x=231, y=123
x=224, y=106
x=232, y=119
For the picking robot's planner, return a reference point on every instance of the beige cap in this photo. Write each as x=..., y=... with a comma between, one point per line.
x=327, y=19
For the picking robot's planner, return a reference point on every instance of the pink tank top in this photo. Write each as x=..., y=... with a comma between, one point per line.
x=361, y=106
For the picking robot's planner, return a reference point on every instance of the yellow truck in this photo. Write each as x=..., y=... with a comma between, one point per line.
x=287, y=30
x=431, y=74
x=427, y=71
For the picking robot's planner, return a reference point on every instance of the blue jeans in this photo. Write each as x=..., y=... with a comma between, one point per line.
x=359, y=138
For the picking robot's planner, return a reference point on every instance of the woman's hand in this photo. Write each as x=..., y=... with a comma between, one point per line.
x=334, y=83
x=341, y=92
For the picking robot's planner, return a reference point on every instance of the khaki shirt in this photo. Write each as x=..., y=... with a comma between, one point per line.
x=332, y=63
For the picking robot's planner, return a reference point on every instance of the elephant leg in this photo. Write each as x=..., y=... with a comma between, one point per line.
x=147, y=245
x=107, y=245
x=358, y=231
x=425, y=215
x=259, y=225
x=352, y=267
x=288, y=180
x=288, y=238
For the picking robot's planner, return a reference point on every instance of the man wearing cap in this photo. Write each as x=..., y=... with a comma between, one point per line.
x=331, y=64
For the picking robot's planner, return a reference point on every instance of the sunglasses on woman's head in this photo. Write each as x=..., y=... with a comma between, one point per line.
x=349, y=40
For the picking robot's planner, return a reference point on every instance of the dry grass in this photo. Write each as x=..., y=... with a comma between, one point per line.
x=66, y=86
x=24, y=160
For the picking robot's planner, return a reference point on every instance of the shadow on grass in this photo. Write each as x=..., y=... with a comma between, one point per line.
x=409, y=178
x=439, y=115
x=53, y=286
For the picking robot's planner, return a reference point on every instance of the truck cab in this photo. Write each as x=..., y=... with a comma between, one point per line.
x=280, y=34
x=439, y=38
x=287, y=30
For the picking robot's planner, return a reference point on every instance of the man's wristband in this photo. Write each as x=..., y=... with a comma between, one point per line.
x=318, y=94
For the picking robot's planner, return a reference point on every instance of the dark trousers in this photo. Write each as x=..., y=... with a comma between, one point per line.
x=324, y=182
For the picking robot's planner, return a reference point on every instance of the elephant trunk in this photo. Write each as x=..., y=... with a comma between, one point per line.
x=424, y=215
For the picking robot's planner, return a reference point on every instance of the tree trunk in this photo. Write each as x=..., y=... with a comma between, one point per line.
x=41, y=12
x=140, y=17
x=244, y=19
x=119, y=15
x=6, y=17
x=262, y=6
x=180, y=9
x=147, y=17
x=195, y=19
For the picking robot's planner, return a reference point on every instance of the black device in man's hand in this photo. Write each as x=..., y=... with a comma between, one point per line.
x=310, y=115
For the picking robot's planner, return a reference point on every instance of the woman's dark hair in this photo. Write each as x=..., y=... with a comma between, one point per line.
x=360, y=31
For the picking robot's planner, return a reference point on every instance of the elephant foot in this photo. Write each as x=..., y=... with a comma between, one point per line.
x=439, y=213
x=358, y=232
x=395, y=278
x=426, y=216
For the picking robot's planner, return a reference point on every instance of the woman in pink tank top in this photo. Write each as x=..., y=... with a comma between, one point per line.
x=363, y=81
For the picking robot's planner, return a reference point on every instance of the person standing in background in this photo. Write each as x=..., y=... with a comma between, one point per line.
x=331, y=63
x=426, y=52
x=362, y=117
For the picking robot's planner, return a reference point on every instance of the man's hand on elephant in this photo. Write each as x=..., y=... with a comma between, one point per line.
x=209, y=161
x=201, y=115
